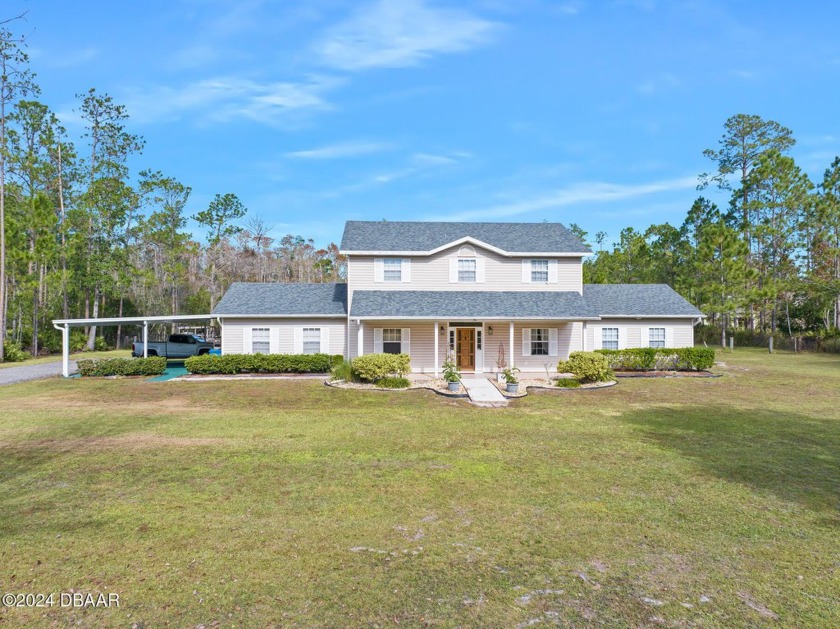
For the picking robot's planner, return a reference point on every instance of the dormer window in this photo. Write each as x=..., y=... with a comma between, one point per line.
x=466, y=271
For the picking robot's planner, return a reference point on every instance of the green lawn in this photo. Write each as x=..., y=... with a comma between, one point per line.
x=54, y=358
x=256, y=503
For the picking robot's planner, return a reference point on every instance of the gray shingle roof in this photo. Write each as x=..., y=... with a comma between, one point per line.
x=244, y=298
x=471, y=304
x=641, y=300
x=425, y=236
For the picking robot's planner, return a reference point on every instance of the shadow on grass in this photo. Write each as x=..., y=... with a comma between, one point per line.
x=796, y=457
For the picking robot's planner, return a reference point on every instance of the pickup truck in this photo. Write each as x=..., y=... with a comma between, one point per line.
x=178, y=346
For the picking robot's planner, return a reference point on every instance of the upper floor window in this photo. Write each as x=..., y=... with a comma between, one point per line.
x=260, y=340
x=466, y=270
x=656, y=337
x=311, y=340
x=392, y=269
x=539, y=271
x=609, y=338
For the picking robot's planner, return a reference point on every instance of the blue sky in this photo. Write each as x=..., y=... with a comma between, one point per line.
x=319, y=111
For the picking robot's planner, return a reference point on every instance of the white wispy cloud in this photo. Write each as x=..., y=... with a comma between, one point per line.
x=225, y=98
x=401, y=33
x=578, y=194
x=341, y=149
x=656, y=85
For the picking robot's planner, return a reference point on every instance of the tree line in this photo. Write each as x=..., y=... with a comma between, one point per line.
x=81, y=235
x=767, y=262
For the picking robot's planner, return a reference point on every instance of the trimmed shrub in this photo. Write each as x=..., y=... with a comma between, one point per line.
x=152, y=366
x=13, y=352
x=258, y=363
x=568, y=383
x=587, y=367
x=336, y=359
x=374, y=367
x=660, y=359
x=393, y=383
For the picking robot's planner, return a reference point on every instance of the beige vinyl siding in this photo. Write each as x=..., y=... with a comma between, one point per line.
x=680, y=331
x=432, y=273
x=282, y=334
x=422, y=345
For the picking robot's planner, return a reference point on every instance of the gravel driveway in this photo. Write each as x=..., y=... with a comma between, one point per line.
x=10, y=375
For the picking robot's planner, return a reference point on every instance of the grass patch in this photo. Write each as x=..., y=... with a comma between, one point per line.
x=55, y=358
x=255, y=503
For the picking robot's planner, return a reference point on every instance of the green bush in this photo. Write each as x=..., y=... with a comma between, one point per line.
x=660, y=359
x=336, y=359
x=258, y=363
x=587, y=366
x=374, y=367
x=393, y=383
x=100, y=345
x=344, y=371
x=568, y=383
x=78, y=340
x=13, y=352
x=152, y=366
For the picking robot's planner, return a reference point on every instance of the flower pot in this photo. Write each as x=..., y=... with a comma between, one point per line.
x=454, y=386
x=512, y=387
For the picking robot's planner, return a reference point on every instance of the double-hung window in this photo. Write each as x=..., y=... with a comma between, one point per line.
x=311, y=340
x=539, y=271
x=392, y=269
x=656, y=337
x=539, y=341
x=392, y=340
x=260, y=340
x=609, y=338
x=466, y=271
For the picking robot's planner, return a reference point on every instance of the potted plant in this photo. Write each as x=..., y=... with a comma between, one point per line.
x=451, y=374
x=510, y=378
x=501, y=363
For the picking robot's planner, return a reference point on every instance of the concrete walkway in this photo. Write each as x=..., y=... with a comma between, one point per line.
x=482, y=392
x=10, y=375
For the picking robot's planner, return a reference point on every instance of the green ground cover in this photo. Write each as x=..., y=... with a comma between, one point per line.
x=687, y=502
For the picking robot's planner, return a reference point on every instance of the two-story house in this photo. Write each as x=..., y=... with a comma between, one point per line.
x=487, y=293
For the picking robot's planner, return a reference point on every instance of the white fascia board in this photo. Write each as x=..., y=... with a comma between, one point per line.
x=661, y=316
x=476, y=319
x=282, y=316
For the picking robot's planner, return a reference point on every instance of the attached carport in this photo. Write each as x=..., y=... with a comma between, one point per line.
x=65, y=324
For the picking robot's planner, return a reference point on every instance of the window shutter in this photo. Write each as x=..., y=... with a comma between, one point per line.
x=526, y=341
x=645, y=341
x=526, y=271
x=622, y=337
x=377, y=340
x=479, y=270
x=298, y=340
x=406, y=270
x=552, y=341
x=552, y=271
x=597, y=337
x=325, y=340
x=405, y=344
x=378, y=270
x=246, y=341
x=453, y=270
x=274, y=341
x=669, y=337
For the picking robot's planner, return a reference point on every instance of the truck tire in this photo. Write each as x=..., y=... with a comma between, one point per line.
x=202, y=352
x=152, y=352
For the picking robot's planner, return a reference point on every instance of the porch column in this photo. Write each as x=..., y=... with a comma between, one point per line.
x=145, y=339
x=511, y=344
x=360, y=350
x=437, y=349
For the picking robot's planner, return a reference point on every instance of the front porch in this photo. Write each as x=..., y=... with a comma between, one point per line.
x=478, y=346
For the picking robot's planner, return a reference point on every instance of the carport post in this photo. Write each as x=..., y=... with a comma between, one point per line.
x=65, y=350
x=145, y=339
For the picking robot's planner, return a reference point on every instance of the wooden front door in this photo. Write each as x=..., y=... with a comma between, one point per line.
x=466, y=349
